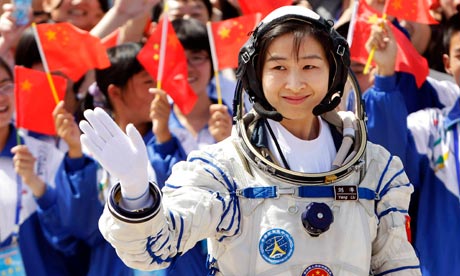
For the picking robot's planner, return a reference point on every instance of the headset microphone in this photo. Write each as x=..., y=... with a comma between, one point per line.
x=274, y=115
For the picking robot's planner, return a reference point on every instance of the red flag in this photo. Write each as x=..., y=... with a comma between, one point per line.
x=262, y=6
x=434, y=4
x=411, y=10
x=229, y=35
x=175, y=70
x=407, y=60
x=71, y=50
x=34, y=99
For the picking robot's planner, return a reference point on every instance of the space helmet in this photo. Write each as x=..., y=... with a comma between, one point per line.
x=338, y=56
x=351, y=154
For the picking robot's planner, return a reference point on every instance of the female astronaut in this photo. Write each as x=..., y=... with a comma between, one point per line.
x=296, y=189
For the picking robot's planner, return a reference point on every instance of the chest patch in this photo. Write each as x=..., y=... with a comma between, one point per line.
x=276, y=246
x=317, y=270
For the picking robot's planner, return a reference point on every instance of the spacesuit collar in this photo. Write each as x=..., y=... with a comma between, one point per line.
x=259, y=135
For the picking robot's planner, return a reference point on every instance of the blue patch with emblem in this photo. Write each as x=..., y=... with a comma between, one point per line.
x=276, y=246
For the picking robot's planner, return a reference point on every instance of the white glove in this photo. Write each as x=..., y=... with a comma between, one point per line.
x=123, y=156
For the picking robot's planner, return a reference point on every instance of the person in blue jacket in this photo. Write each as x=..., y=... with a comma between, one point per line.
x=66, y=224
x=81, y=183
x=123, y=90
x=428, y=147
x=27, y=166
x=432, y=93
x=177, y=134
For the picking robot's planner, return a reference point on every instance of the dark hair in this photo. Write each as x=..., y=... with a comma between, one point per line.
x=7, y=68
x=124, y=65
x=104, y=5
x=299, y=29
x=228, y=10
x=192, y=34
x=27, y=53
x=452, y=26
x=157, y=10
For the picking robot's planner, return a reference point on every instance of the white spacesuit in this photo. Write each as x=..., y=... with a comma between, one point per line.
x=265, y=236
x=260, y=217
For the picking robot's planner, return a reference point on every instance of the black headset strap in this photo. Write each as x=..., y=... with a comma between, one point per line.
x=237, y=102
x=278, y=148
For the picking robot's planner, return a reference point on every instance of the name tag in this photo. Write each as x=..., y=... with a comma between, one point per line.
x=342, y=192
x=11, y=261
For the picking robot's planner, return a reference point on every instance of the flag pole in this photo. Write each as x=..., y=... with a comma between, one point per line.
x=45, y=64
x=164, y=34
x=215, y=62
x=371, y=54
x=351, y=27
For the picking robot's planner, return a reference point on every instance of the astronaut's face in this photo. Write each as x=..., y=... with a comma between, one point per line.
x=295, y=82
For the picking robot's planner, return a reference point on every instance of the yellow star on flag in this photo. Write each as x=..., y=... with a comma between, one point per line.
x=156, y=48
x=396, y=4
x=224, y=32
x=50, y=35
x=26, y=85
x=372, y=19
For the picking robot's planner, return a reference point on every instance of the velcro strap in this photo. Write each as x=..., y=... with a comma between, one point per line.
x=302, y=192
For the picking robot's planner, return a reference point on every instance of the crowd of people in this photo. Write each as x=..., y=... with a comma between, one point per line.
x=296, y=161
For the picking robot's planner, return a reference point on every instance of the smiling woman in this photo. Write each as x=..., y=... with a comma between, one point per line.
x=23, y=189
x=122, y=89
x=6, y=100
x=289, y=81
x=84, y=14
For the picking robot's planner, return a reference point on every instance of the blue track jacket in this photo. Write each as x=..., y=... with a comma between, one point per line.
x=427, y=142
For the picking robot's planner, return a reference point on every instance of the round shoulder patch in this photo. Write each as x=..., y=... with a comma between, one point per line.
x=276, y=246
x=317, y=270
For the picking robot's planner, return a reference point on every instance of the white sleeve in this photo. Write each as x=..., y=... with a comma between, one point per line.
x=197, y=202
x=421, y=124
x=392, y=253
x=448, y=91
